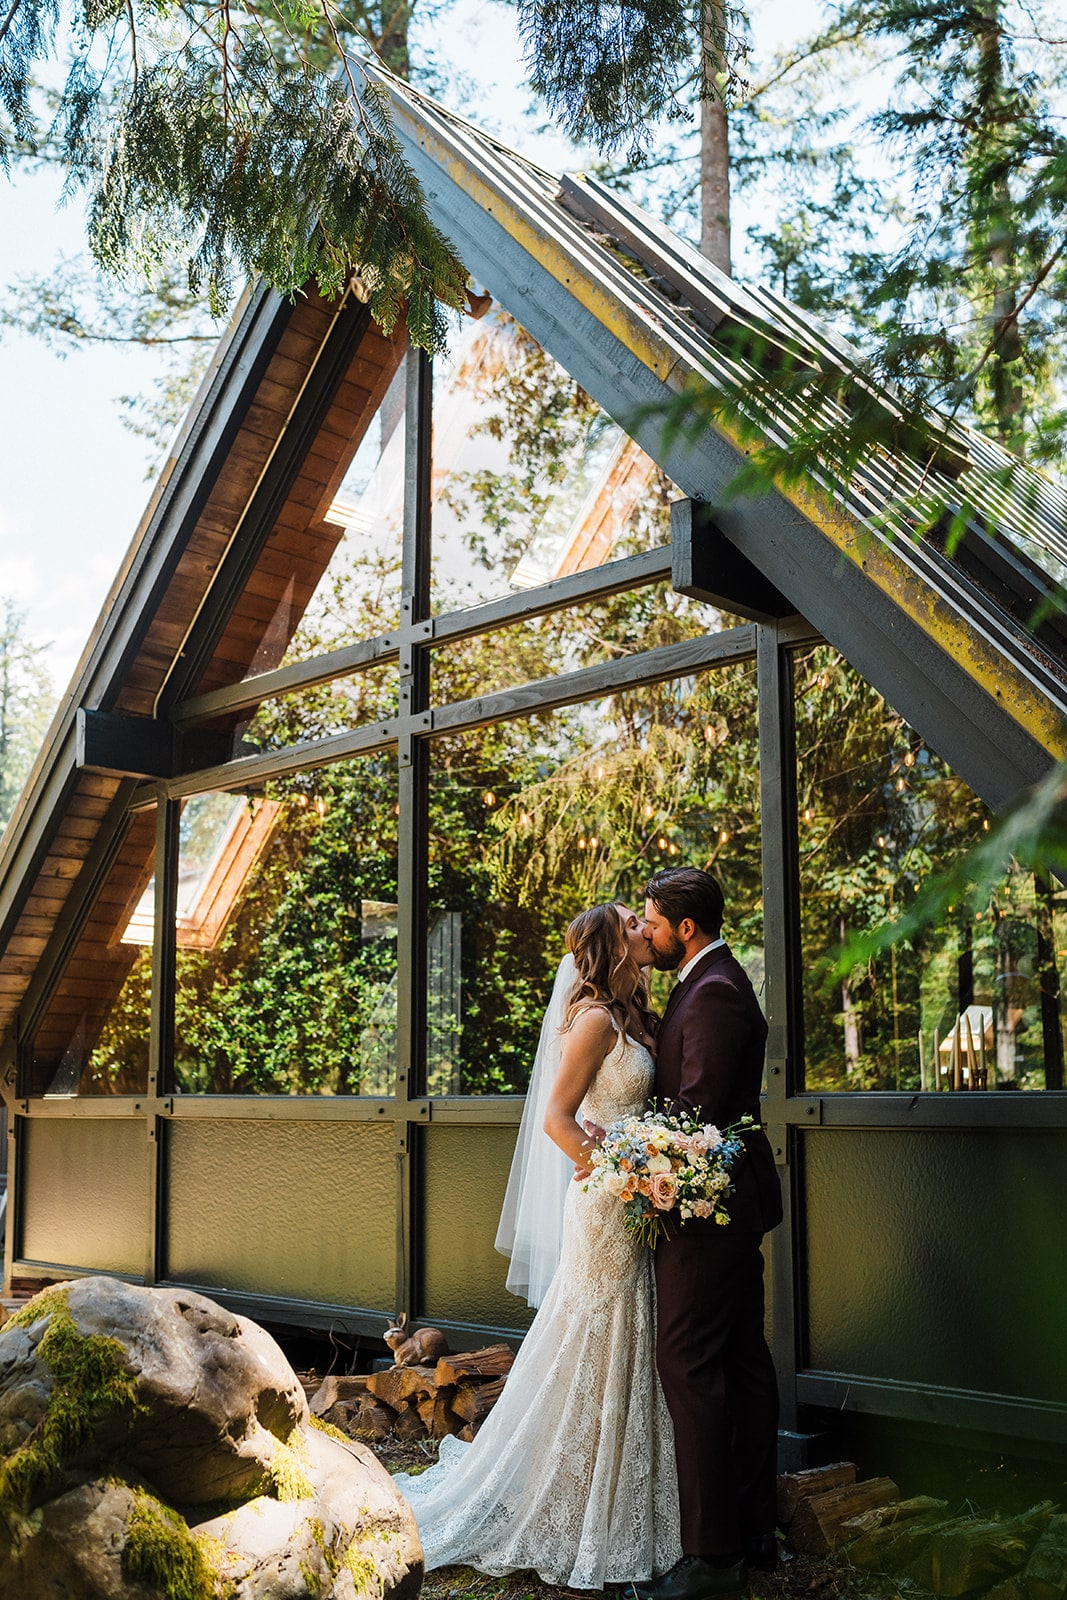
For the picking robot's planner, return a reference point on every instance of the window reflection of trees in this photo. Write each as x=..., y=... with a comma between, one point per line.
x=967, y=1003
x=532, y=820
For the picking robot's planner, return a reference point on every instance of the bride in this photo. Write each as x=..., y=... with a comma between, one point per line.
x=573, y=1472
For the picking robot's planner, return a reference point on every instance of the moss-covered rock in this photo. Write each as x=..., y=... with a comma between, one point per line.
x=155, y=1447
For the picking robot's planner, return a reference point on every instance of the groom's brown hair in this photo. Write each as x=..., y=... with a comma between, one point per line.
x=680, y=892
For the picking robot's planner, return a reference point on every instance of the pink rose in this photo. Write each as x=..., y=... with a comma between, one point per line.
x=664, y=1190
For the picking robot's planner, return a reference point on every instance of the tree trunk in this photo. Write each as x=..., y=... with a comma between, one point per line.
x=1048, y=978
x=714, y=142
x=851, y=1018
x=999, y=242
x=395, y=25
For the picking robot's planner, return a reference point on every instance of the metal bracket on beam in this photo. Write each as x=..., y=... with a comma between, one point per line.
x=706, y=566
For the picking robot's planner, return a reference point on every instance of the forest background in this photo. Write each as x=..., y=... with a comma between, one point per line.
x=899, y=172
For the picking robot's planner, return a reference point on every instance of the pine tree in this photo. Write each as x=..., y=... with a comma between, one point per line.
x=26, y=704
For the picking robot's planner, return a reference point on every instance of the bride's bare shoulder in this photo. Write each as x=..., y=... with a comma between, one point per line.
x=593, y=1022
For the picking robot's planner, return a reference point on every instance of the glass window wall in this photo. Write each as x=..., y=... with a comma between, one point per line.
x=533, y=819
x=531, y=480
x=971, y=1001
x=286, y=936
x=93, y=1037
x=580, y=636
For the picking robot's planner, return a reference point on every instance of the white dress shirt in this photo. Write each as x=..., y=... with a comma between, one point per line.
x=683, y=972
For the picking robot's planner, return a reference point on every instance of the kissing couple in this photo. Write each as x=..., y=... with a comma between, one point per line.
x=635, y=1438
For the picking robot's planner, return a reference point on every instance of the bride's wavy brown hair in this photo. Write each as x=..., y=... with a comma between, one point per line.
x=608, y=975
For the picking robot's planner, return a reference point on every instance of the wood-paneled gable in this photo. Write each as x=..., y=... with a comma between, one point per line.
x=294, y=559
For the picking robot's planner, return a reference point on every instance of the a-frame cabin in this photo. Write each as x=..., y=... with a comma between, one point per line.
x=401, y=663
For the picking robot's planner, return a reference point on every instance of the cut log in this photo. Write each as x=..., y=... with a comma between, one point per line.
x=397, y=1385
x=409, y=1425
x=971, y=1553
x=495, y=1361
x=1012, y=1588
x=437, y=1413
x=793, y=1487
x=816, y=1528
x=369, y=1419
x=888, y=1537
x=899, y=1511
x=474, y=1401
x=330, y=1390
x=1046, y=1571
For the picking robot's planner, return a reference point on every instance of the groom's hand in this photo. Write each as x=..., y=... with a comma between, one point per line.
x=594, y=1133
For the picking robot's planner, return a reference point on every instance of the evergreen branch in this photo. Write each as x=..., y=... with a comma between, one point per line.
x=5, y=25
x=996, y=339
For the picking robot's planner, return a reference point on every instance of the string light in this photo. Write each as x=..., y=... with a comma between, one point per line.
x=909, y=759
x=662, y=843
x=985, y=824
x=593, y=841
x=524, y=818
x=581, y=843
x=901, y=785
x=723, y=836
x=808, y=814
x=302, y=801
x=599, y=773
x=881, y=841
x=489, y=797
x=709, y=733
x=673, y=850
x=320, y=806
x=648, y=810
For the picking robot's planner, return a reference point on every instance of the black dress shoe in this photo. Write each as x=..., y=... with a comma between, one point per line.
x=693, y=1578
x=761, y=1552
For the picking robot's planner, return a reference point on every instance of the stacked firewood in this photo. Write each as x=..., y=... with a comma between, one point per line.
x=1006, y=1558
x=454, y=1395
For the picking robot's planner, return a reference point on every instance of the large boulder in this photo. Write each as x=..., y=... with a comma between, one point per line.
x=153, y=1444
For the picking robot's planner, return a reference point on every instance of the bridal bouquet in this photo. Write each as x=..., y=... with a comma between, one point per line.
x=657, y=1164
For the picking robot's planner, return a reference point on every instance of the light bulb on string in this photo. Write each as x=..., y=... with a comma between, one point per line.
x=648, y=810
x=662, y=843
x=672, y=850
x=489, y=798
x=723, y=836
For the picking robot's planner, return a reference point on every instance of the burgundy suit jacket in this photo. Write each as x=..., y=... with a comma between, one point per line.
x=709, y=1058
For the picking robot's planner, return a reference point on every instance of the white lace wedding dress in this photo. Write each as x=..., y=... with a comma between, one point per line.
x=572, y=1474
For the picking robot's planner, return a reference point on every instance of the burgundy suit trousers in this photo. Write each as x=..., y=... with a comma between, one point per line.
x=719, y=1383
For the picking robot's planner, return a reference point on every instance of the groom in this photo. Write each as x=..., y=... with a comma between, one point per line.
x=713, y=1360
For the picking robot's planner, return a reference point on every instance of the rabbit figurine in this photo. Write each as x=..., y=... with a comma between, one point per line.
x=416, y=1349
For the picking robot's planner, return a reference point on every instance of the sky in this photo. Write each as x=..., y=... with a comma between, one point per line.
x=73, y=479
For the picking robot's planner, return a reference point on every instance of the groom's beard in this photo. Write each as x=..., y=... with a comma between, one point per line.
x=669, y=960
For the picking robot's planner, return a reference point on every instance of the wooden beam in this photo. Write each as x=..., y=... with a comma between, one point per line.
x=706, y=566
x=132, y=747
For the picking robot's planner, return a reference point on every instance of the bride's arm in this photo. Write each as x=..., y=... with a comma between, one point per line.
x=585, y=1044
